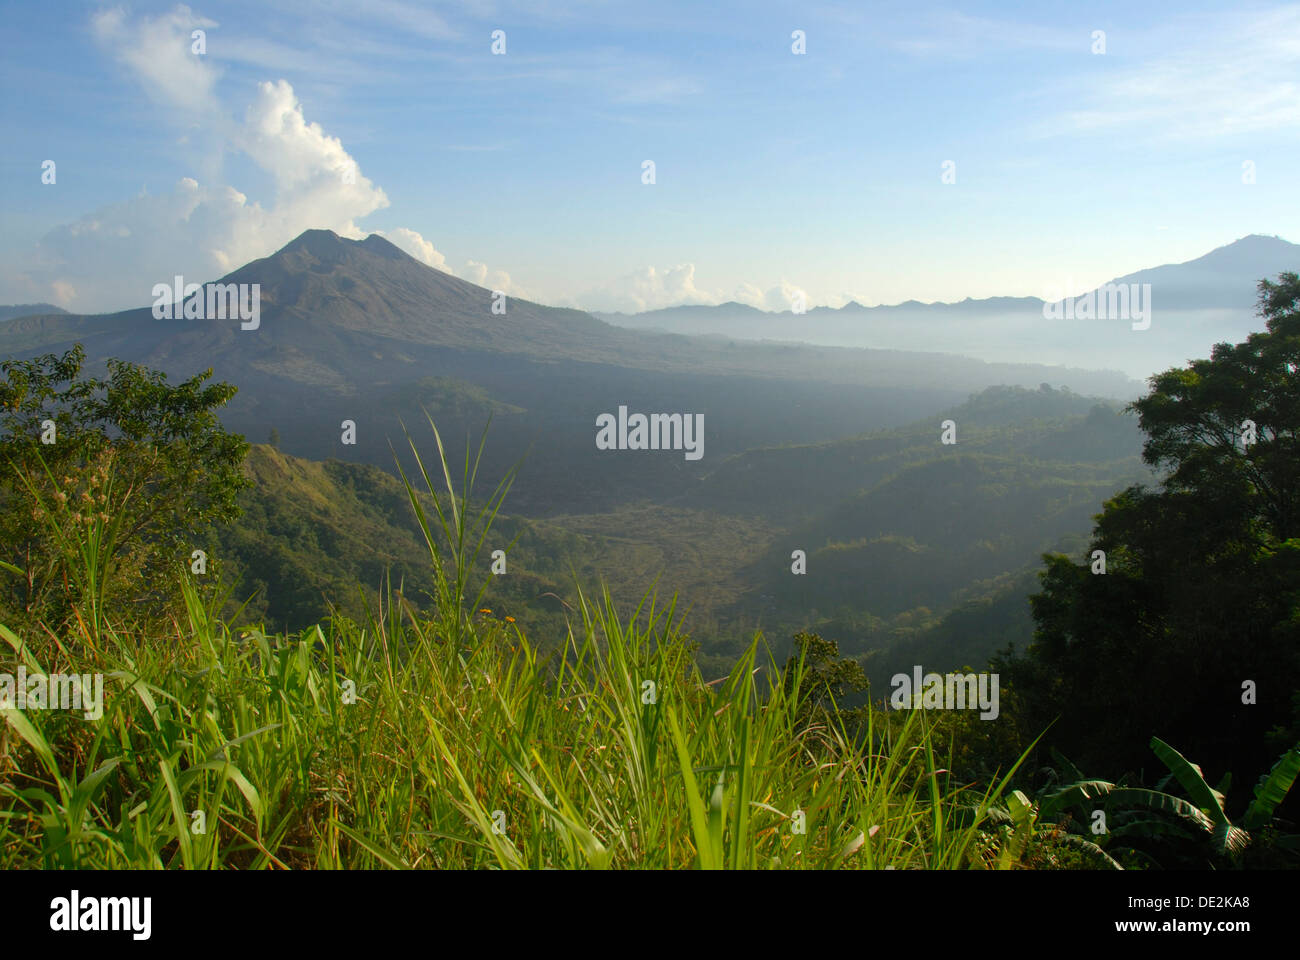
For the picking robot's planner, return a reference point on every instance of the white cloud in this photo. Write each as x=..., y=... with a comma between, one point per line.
x=413, y=243
x=1202, y=76
x=1193, y=76
x=648, y=289
x=479, y=273
x=410, y=241
x=157, y=51
x=651, y=289
x=777, y=299
x=64, y=293
x=111, y=258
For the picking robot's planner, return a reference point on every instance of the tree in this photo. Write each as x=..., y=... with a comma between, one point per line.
x=143, y=464
x=1191, y=633
x=827, y=679
x=1230, y=423
x=274, y=438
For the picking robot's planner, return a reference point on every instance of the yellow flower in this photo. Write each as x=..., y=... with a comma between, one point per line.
x=485, y=610
x=510, y=619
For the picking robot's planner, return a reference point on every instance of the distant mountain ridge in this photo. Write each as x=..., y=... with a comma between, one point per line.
x=345, y=314
x=9, y=311
x=1194, y=305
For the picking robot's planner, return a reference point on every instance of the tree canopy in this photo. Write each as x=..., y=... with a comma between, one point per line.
x=1190, y=634
x=137, y=466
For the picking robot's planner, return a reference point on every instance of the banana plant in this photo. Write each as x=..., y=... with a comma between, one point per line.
x=1270, y=791
x=1022, y=825
x=1227, y=839
x=1153, y=814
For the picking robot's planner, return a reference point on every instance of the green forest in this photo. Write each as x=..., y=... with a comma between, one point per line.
x=329, y=663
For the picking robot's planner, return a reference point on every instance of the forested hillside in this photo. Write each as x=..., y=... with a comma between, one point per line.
x=901, y=531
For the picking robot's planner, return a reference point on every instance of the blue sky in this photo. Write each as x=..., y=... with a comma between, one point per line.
x=775, y=172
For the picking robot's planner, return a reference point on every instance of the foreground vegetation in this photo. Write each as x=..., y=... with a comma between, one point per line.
x=247, y=751
x=445, y=740
x=440, y=737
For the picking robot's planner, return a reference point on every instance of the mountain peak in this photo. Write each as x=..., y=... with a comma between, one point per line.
x=383, y=247
x=1269, y=238
x=1223, y=278
x=1252, y=247
x=329, y=247
x=315, y=242
x=8, y=312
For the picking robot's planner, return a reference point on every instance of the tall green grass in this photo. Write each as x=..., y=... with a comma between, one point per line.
x=443, y=738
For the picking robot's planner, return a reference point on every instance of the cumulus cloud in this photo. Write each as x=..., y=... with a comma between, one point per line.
x=201, y=227
x=479, y=273
x=651, y=289
x=778, y=298
x=205, y=230
x=411, y=242
x=648, y=289
x=64, y=293
x=111, y=258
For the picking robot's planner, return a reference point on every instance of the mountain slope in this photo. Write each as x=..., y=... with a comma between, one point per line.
x=1223, y=279
x=313, y=532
